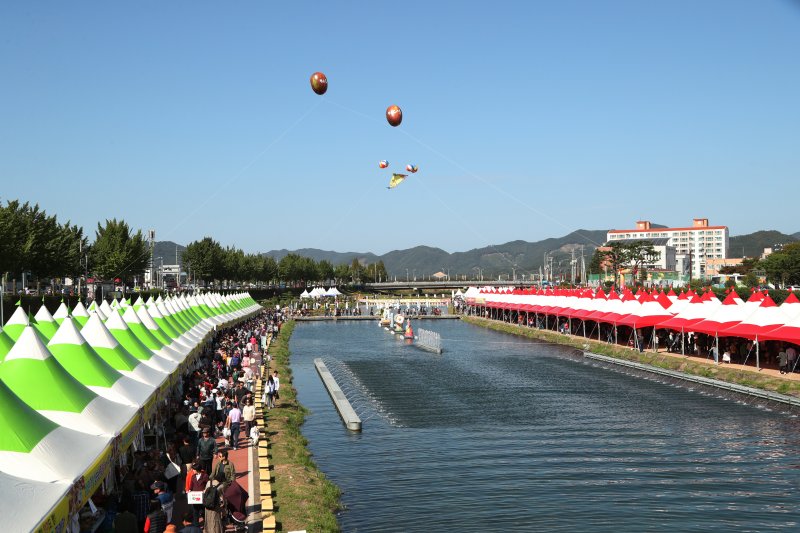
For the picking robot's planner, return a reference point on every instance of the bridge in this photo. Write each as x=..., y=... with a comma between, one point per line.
x=434, y=285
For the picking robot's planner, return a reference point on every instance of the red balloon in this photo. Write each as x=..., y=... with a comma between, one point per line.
x=319, y=83
x=394, y=115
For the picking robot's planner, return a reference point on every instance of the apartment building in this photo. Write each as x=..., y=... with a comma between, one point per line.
x=693, y=245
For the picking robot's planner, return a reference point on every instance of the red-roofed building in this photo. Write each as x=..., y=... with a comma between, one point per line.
x=693, y=245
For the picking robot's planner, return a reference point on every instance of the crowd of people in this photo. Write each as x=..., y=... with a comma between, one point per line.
x=188, y=455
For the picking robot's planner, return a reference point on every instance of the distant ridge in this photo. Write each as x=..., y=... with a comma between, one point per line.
x=753, y=244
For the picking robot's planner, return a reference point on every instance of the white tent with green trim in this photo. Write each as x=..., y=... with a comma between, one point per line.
x=80, y=314
x=45, y=323
x=170, y=327
x=106, y=309
x=16, y=323
x=148, y=339
x=106, y=345
x=184, y=331
x=23, y=502
x=149, y=322
x=120, y=330
x=84, y=364
x=33, y=447
x=5, y=344
x=38, y=379
x=61, y=313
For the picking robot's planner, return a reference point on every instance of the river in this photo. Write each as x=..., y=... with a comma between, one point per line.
x=501, y=433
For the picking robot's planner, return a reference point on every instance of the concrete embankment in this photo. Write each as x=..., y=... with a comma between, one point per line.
x=766, y=385
x=346, y=411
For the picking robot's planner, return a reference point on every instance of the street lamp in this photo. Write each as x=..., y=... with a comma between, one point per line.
x=406, y=275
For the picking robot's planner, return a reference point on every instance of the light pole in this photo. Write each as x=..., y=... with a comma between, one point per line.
x=414, y=272
x=406, y=275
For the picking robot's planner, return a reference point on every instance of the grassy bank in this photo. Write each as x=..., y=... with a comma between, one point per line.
x=304, y=497
x=727, y=373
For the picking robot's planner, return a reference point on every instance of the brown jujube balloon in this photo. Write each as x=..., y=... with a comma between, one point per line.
x=319, y=83
x=394, y=115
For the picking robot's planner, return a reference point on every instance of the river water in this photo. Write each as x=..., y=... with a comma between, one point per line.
x=501, y=433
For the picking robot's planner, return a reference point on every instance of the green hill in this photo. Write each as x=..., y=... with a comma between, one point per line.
x=753, y=244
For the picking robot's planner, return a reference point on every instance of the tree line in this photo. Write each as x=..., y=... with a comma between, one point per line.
x=37, y=244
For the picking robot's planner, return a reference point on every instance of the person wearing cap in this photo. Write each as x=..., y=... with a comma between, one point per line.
x=206, y=449
x=165, y=497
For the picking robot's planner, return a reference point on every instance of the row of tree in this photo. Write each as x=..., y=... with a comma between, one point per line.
x=617, y=255
x=207, y=261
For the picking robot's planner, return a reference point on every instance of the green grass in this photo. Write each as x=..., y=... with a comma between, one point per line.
x=695, y=367
x=304, y=497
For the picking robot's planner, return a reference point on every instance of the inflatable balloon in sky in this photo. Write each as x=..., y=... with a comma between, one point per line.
x=412, y=168
x=394, y=115
x=396, y=180
x=319, y=83
x=383, y=163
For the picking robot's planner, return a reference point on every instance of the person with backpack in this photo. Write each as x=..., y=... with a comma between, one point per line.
x=213, y=504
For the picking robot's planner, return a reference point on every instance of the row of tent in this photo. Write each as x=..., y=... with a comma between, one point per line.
x=320, y=292
x=78, y=386
x=759, y=318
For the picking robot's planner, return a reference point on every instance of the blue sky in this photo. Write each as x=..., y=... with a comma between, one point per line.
x=527, y=119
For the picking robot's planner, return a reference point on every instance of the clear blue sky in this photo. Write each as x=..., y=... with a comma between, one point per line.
x=527, y=119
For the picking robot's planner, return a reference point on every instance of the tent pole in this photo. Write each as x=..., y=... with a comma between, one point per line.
x=683, y=351
x=758, y=362
x=616, y=340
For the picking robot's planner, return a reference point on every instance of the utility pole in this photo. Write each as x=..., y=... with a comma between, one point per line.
x=152, y=237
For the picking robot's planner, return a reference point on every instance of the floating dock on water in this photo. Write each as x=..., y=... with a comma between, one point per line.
x=346, y=411
x=429, y=341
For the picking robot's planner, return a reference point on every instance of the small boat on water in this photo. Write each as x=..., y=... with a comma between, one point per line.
x=398, y=324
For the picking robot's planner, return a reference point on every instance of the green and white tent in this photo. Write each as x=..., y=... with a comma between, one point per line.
x=106, y=309
x=39, y=380
x=80, y=314
x=84, y=364
x=159, y=333
x=16, y=324
x=169, y=319
x=120, y=330
x=45, y=323
x=5, y=344
x=35, y=448
x=148, y=339
x=61, y=313
x=113, y=353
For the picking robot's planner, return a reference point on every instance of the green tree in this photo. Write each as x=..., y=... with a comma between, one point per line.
x=639, y=255
x=341, y=274
x=203, y=258
x=324, y=270
x=783, y=267
x=117, y=253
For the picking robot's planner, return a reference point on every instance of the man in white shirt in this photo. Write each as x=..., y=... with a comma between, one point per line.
x=194, y=424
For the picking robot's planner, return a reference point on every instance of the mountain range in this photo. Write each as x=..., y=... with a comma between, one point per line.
x=513, y=258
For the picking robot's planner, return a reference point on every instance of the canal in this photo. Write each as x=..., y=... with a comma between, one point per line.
x=501, y=433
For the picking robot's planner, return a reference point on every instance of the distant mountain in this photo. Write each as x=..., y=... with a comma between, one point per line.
x=753, y=244
x=512, y=258
x=168, y=250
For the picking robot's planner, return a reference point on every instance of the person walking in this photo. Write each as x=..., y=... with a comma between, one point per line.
x=206, y=448
x=248, y=415
x=224, y=472
x=196, y=480
x=213, y=515
x=276, y=395
x=233, y=423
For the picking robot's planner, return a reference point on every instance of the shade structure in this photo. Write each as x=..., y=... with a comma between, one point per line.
x=57, y=395
x=33, y=447
x=106, y=309
x=649, y=313
x=45, y=323
x=170, y=322
x=61, y=313
x=147, y=338
x=791, y=306
x=84, y=364
x=5, y=344
x=731, y=312
x=16, y=323
x=120, y=359
x=188, y=322
x=693, y=313
x=159, y=333
x=80, y=314
x=765, y=318
x=120, y=330
x=39, y=498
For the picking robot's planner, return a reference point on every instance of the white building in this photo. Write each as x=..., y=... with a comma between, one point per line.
x=693, y=245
